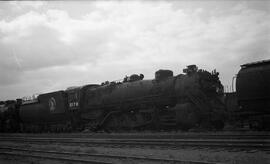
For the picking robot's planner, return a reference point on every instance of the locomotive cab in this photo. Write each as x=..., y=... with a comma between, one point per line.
x=73, y=94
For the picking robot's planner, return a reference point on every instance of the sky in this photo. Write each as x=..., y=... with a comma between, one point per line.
x=47, y=46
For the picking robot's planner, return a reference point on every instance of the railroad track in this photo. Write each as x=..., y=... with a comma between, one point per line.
x=165, y=142
x=95, y=158
x=163, y=135
x=255, y=143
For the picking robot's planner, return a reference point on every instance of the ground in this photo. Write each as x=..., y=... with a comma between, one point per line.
x=217, y=155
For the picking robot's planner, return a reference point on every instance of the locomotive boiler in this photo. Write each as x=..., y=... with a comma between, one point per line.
x=184, y=101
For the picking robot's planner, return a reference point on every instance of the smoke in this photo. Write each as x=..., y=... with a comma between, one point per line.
x=16, y=60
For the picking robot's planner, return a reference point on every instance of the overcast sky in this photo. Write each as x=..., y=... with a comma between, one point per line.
x=49, y=46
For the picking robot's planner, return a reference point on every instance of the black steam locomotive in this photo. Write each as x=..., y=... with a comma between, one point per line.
x=189, y=100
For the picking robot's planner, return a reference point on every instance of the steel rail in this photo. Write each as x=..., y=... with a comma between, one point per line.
x=80, y=140
x=265, y=135
x=233, y=143
x=55, y=158
x=142, y=139
x=121, y=157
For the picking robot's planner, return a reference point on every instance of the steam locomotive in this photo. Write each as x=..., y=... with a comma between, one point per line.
x=189, y=100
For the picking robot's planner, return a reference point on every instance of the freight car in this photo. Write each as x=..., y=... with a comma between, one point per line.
x=188, y=100
x=249, y=105
x=9, y=116
x=253, y=94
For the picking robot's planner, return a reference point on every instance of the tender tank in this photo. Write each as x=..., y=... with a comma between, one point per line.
x=49, y=107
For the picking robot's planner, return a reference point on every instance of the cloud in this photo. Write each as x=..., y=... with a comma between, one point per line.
x=53, y=49
x=18, y=5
